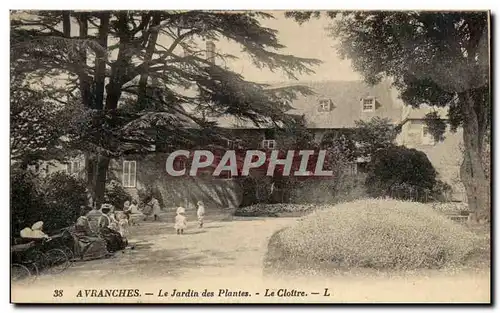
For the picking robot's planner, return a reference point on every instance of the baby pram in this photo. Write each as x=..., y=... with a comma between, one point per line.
x=39, y=255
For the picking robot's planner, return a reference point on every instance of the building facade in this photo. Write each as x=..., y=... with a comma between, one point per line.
x=446, y=155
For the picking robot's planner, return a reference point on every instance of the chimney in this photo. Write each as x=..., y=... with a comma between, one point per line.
x=211, y=52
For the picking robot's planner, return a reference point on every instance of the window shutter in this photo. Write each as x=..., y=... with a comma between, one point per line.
x=124, y=174
x=132, y=173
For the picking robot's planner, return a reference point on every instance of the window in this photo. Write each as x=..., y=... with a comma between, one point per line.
x=225, y=175
x=129, y=174
x=237, y=144
x=73, y=167
x=325, y=105
x=180, y=164
x=233, y=144
x=269, y=144
x=427, y=137
x=351, y=169
x=368, y=104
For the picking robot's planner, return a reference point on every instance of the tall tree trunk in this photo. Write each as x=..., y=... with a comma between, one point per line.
x=66, y=16
x=122, y=63
x=153, y=37
x=90, y=168
x=100, y=60
x=472, y=171
x=85, y=80
x=97, y=163
x=100, y=179
x=113, y=89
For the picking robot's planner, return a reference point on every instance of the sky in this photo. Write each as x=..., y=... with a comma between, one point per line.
x=309, y=40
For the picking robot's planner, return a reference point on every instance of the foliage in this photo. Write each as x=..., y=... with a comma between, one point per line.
x=37, y=125
x=56, y=200
x=274, y=210
x=116, y=194
x=373, y=135
x=147, y=193
x=441, y=191
x=255, y=189
x=329, y=191
x=341, y=146
x=365, y=139
x=436, y=125
x=373, y=233
x=437, y=58
x=400, y=168
x=486, y=156
x=135, y=90
x=25, y=200
x=64, y=195
x=451, y=207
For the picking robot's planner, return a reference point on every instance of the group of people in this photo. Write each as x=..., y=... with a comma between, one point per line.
x=98, y=233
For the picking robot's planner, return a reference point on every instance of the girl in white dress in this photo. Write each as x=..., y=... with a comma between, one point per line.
x=200, y=213
x=180, y=221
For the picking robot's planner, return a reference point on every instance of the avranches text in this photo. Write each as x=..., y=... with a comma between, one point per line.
x=191, y=293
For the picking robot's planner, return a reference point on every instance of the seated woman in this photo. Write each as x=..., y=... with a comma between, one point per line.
x=87, y=245
x=94, y=218
x=108, y=229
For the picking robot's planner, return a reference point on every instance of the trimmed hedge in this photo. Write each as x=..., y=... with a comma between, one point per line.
x=274, y=210
x=374, y=233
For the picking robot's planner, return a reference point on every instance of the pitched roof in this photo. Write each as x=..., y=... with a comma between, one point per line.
x=346, y=97
x=419, y=113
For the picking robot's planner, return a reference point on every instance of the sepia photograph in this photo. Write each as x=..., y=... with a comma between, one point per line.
x=240, y=156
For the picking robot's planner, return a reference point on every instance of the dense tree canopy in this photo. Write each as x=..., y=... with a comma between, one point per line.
x=438, y=58
x=135, y=72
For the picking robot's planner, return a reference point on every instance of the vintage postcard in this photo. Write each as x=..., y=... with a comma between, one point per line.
x=250, y=157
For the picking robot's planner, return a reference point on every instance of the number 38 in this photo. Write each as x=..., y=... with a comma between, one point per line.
x=58, y=293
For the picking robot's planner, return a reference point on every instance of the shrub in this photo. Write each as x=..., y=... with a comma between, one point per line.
x=116, y=194
x=147, y=193
x=400, y=172
x=255, y=189
x=461, y=208
x=329, y=191
x=441, y=191
x=64, y=195
x=379, y=234
x=273, y=210
x=26, y=202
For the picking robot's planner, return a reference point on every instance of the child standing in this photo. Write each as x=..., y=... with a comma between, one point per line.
x=180, y=221
x=156, y=208
x=123, y=226
x=200, y=213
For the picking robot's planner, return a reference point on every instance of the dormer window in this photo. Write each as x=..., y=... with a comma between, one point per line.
x=325, y=105
x=368, y=104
